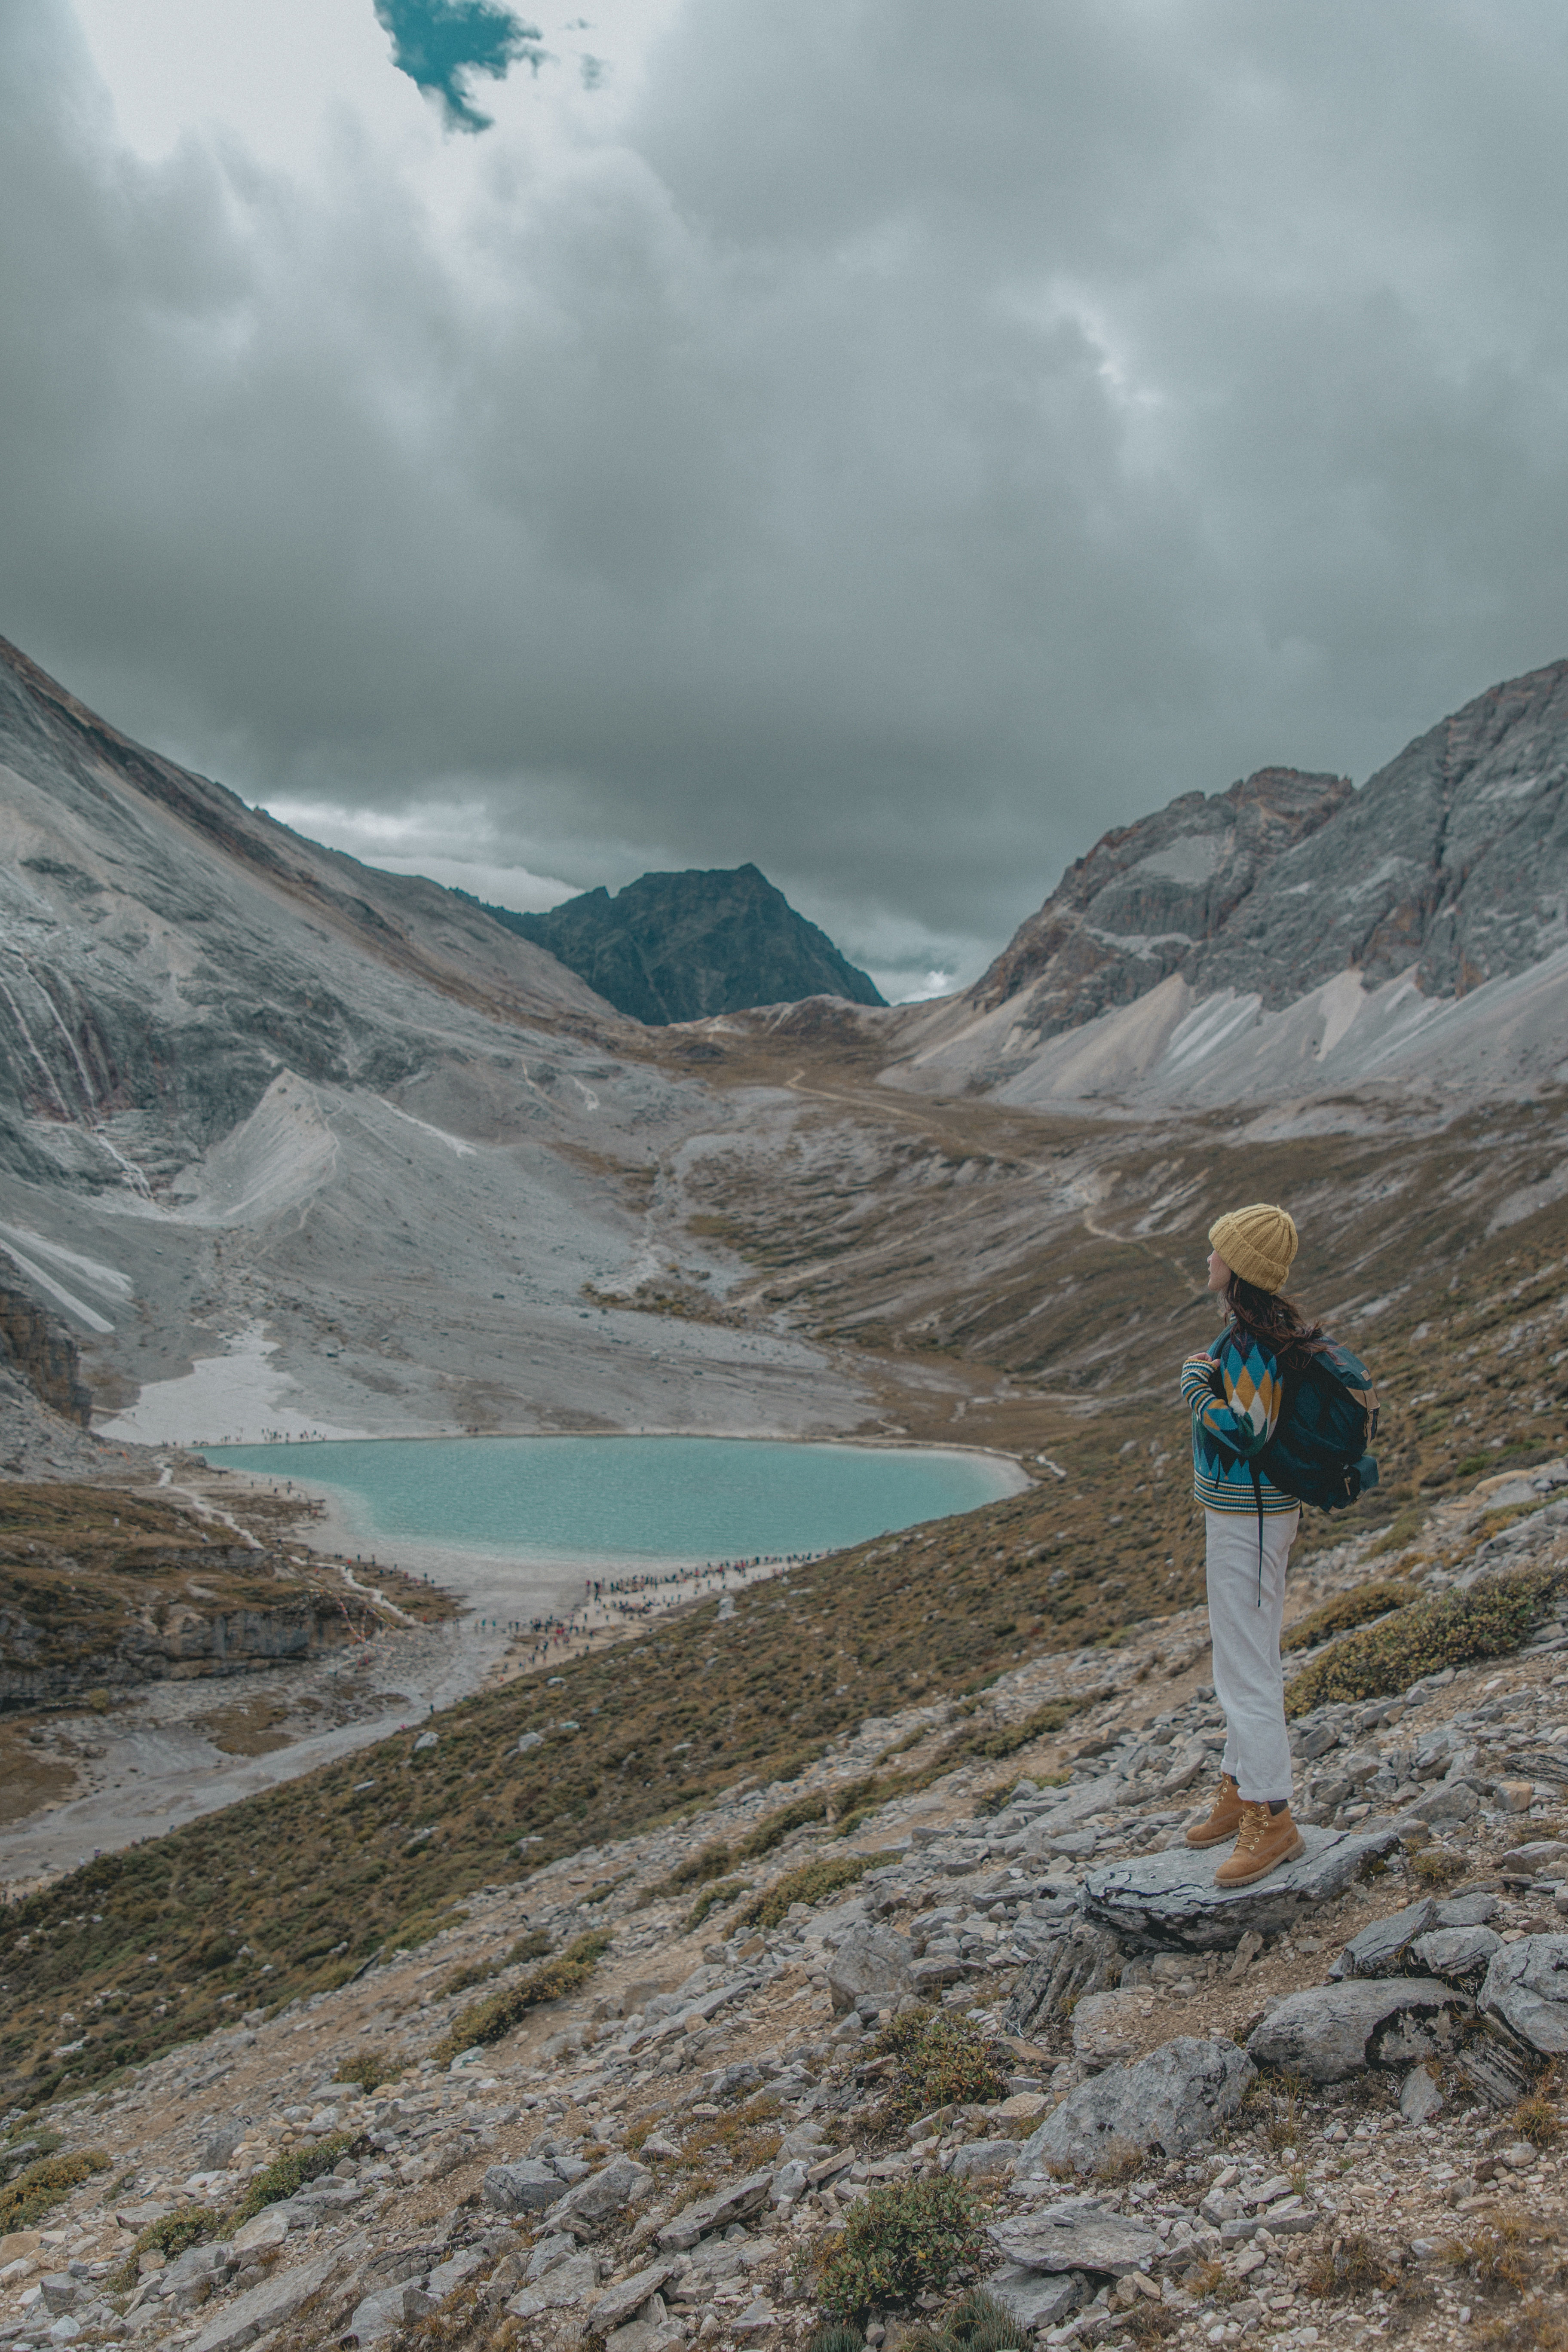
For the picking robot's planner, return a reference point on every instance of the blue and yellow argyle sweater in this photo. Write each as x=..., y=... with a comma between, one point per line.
x=1234, y=1392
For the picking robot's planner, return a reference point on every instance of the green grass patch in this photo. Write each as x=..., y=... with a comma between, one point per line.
x=1452, y=1629
x=809, y=1884
x=1347, y=1610
x=423, y=1928
x=940, y=2061
x=492, y=2019
x=42, y=2185
x=908, y=2239
x=287, y=2175
x=978, y=2324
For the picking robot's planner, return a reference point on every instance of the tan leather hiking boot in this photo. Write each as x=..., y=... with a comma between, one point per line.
x=1264, y=1841
x=1226, y=1819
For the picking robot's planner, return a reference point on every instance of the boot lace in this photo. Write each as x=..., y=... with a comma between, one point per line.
x=1255, y=1821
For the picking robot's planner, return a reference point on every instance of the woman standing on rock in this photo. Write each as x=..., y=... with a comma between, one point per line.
x=1235, y=1388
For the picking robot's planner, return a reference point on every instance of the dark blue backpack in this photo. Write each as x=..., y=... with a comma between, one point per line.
x=1319, y=1449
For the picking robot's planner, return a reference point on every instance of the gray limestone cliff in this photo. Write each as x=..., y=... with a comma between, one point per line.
x=1449, y=864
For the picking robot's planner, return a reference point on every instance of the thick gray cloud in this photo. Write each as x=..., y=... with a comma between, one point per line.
x=911, y=441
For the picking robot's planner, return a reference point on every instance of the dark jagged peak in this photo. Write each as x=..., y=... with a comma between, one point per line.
x=681, y=947
x=1150, y=897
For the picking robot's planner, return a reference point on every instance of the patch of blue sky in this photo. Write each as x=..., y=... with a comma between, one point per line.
x=441, y=44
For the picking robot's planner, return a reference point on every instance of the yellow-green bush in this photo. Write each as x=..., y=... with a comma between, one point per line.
x=39, y=2187
x=492, y=2019
x=1451, y=1630
x=809, y=1884
x=1347, y=1610
x=908, y=2239
x=939, y=2060
x=288, y=2174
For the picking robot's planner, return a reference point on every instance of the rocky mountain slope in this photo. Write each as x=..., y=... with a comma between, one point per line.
x=331, y=1134
x=678, y=947
x=1291, y=935
x=995, y=2031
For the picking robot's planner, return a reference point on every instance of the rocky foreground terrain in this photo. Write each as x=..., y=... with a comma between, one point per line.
x=999, y=2031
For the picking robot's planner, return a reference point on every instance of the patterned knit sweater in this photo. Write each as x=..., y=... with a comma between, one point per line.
x=1234, y=1391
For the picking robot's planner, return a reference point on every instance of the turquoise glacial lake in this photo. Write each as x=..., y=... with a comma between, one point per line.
x=630, y=1498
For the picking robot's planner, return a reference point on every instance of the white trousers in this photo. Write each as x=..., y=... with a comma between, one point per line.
x=1249, y=1680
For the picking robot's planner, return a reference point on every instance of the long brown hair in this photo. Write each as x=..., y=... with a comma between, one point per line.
x=1276, y=1321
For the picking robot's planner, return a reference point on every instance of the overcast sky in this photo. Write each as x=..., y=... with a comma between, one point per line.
x=886, y=440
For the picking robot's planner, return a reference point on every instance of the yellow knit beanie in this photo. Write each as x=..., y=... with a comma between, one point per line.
x=1258, y=1242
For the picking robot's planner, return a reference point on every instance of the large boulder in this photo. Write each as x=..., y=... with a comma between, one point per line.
x=1173, y=2100
x=870, y=1968
x=605, y=2193
x=1459, y=1955
x=526, y=2186
x=1078, y=2234
x=1037, y=2298
x=1159, y=1901
x=1335, y=2029
x=1526, y=1989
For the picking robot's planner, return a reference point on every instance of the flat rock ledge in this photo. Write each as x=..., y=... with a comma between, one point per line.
x=1079, y=2234
x=1159, y=1901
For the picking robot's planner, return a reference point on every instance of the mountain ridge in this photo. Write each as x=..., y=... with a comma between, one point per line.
x=1294, y=934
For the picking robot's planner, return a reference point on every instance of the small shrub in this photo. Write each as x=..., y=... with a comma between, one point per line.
x=711, y=1862
x=1438, y=1866
x=1451, y=1630
x=531, y=1946
x=1347, y=1610
x=371, y=2069
x=939, y=2060
x=42, y=2185
x=1350, y=2266
x=187, y=2225
x=836, y=2339
x=809, y=1884
x=723, y=1890
x=1537, y=2120
x=909, y=2238
x=1495, y=2256
x=286, y=2174
x=490, y=2020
